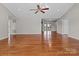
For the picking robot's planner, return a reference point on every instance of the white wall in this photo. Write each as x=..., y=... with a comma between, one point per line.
x=73, y=17
x=63, y=26
x=54, y=28
x=4, y=13
x=59, y=26
x=28, y=26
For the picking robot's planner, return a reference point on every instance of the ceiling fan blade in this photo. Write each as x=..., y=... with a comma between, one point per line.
x=38, y=6
x=42, y=11
x=45, y=9
x=36, y=12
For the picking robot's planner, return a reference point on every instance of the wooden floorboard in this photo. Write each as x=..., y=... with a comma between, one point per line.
x=40, y=45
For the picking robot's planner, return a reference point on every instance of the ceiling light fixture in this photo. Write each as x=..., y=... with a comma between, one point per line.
x=40, y=9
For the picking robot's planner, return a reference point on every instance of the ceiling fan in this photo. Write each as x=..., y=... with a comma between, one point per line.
x=39, y=9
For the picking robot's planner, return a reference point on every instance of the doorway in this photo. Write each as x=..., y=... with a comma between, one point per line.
x=48, y=26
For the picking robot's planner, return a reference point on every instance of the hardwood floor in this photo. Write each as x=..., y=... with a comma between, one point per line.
x=40, y=45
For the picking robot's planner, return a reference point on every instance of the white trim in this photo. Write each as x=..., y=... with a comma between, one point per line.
x=62, y=33
x=4, y=38
x=77, y=38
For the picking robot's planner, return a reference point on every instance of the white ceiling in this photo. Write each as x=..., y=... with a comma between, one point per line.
x=22, y=10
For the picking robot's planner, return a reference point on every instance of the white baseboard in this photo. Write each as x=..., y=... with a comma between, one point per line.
x=71, y=36
x=74, y=37
x=62, y=33
x=2, y=38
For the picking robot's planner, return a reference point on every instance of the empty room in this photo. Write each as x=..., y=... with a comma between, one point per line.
x=39, y=29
